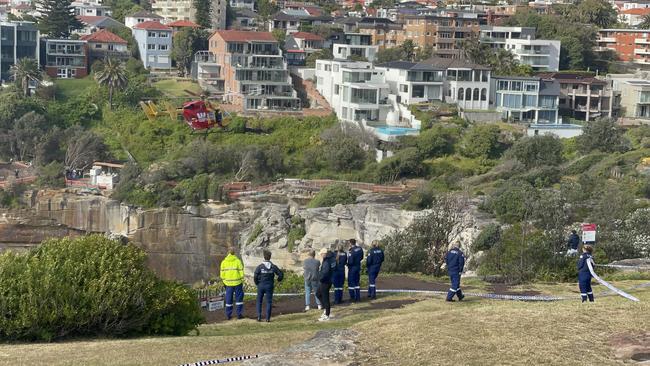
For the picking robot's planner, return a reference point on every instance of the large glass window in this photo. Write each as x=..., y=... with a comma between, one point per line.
x=418, y=91
x=515, y=86
x=530, y=100
x=464, y=75
x=547, y=101
x=512, y=100
x=461, y=95
x=546, y=116
x=531, y=87
x=483, y=94
x=644, y=97
x=364, y=96
x=502, y=85
x=476, y=94
x=356, y=77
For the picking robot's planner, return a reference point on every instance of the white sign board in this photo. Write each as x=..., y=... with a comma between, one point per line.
x=215, y=304
x=588, y=233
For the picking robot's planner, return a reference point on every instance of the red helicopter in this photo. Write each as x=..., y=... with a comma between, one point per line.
x=200, y=115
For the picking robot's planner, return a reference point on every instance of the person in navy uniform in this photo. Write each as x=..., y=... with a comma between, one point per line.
x=355, y=256
x=338, y=278
x=373, y=263
x=584, y=275
x=573, y=243
x=265, y=281
x=455, y=260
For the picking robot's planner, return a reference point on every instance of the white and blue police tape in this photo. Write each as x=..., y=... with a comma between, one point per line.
x=607, y=284
x=225, y=360
x=623, y=266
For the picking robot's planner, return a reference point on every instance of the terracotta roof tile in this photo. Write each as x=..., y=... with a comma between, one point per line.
x=637, y=11
x=308, y=36
x=151, y=25
x=183, y=23
x=103, y=36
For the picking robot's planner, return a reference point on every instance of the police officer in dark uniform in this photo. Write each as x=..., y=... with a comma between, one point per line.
x=265, y=281
x=373, y=263
x=338, y=278
x=573, y=243
x=355, y=256
x=455, y=260
x=584, y=275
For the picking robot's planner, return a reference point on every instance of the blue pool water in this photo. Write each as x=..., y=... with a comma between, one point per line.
x=396, y=131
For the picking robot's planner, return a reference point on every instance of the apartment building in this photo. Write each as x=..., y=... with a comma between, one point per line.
x=207, y=72
x=350, y=45
x=584, y=97
x=384, y=32
x=294, y=20
x=173, y=10
x=634, y=95
x=254, y=71
x=155, y=44
x=17, y=40
x=301, y=45
x=414, y=82
x=82, y=8
x=540, y=54
x=104, y=44
x=357, y=92
x=243, y=4
x=527, y=99
x=64, y=58
x=442, y=29
x=218, y=14
x=632, y=45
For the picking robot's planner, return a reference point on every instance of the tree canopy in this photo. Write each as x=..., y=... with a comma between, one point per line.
x=58, y=19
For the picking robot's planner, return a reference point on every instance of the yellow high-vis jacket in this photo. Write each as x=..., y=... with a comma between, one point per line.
x=232, y=271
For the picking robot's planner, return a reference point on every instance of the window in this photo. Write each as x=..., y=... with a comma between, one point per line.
x=547, y=101
x=531, y=87
x=364, y=96
x=111, y=47
x=476, y=94
x=502, y=85
x=163, y=35
x=151, y=46
x=98, y=45
x=163, y=59
x=530, y=100
x=404, y=88
x=336, y=89
x=483, y=94
x=162, y=47
x=418, y=91
x=515, y=86
x=512, y=100
x=461, y=96
x=336, y=68
x=644, y=97
x=151, y=58
x=151, y=34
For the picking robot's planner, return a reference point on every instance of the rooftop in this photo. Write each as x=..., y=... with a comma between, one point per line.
x=152, y=25
x=99, y=21
x=571, y=78
x=308, y=36
x=636, y=11
x=450, y=63
x=245, y=36
x=183, y=23
x=103, y=36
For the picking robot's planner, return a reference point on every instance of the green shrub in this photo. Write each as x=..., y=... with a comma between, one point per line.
x=291, y=283
x=543, y=177
x=584, y=163
x=489, y=237
x=333, y=195
x=296, y=232
x=511, y=202
x=538, y=150
x=257, y=230
x=89, y=286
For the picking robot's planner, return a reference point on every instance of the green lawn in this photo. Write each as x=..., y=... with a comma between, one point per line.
x=69, y=88
x=176, y=88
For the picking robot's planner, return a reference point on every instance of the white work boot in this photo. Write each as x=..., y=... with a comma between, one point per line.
x=324, y=318
x=307, y=308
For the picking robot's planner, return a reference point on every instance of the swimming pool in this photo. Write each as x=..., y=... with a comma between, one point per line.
x=396, y=131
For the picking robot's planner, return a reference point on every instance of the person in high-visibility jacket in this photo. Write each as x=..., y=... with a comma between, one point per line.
x=232, y=275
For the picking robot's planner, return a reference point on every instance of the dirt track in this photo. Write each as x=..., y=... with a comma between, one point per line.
x=296, y=304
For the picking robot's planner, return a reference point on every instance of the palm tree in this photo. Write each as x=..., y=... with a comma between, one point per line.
x=645, y=23
x=23, y=71
x=112, y=74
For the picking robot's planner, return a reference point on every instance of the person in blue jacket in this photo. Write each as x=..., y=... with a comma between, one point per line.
x=265, y=281
x=584, y=275
x=455, y=260
x=373, y=263
x=338, y=278
x=355, y=256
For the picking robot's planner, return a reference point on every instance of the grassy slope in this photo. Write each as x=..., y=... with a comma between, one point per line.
x=174, y=88
x=431, y=332
x=69, y=88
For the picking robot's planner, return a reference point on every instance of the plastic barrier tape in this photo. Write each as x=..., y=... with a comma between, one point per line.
x=225, y=360
x=607, y=284
x=435, y=292
x=622, y=266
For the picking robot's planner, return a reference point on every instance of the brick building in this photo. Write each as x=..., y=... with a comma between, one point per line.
x=631, y=45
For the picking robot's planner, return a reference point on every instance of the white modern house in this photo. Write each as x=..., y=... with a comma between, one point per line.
x=540, y=54
x=141, y=17
x=155, y=44
x=413, y=82
x=350, y=45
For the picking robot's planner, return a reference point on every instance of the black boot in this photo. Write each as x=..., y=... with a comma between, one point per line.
x=450, y=296
x=590, y=296
x=584, y=298
x=460, y=295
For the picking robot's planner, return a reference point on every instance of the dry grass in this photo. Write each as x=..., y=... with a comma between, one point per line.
x=431, y=332
x=483, y=332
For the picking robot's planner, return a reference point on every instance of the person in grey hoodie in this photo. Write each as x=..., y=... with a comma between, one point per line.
x=310, y=273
